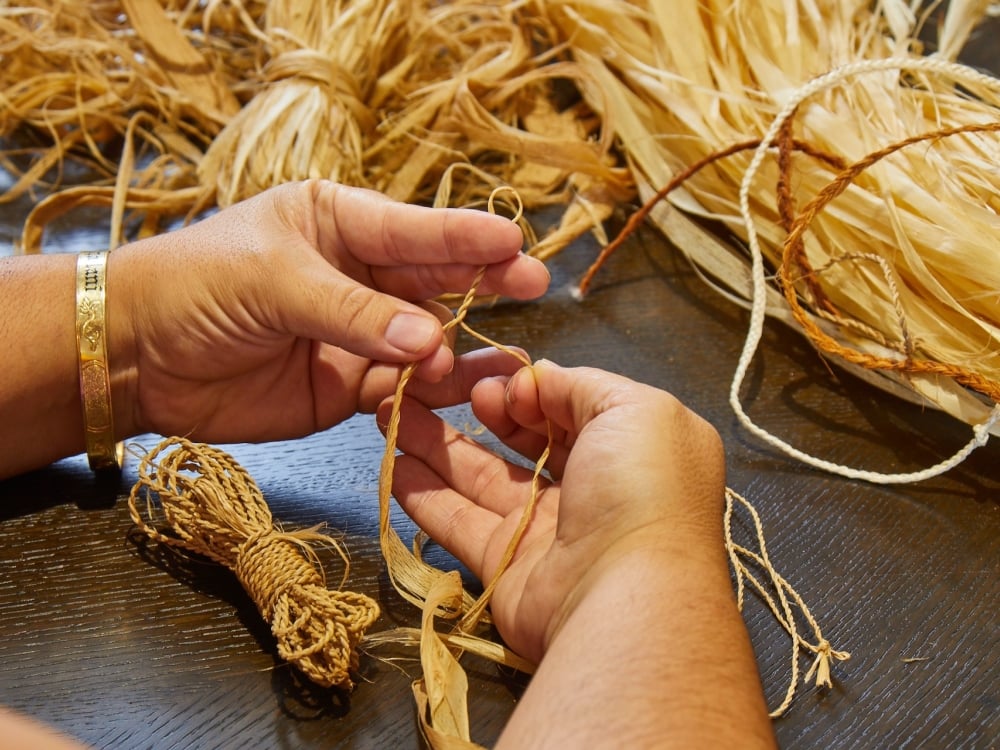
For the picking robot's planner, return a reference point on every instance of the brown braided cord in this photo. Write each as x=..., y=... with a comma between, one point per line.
x=210, y=505
x=794, y=266
x=795, y=269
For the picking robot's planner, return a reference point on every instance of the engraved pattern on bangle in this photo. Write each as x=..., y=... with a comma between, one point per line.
x=95, y=380
x=91, y=316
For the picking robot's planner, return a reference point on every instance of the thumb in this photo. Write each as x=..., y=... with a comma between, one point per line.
x=326, y=305
x=570, y=398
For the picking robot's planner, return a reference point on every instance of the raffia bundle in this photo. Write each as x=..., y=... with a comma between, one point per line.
x=178, y=107
x=217, y=102
x=895, y=275
x=312, y=108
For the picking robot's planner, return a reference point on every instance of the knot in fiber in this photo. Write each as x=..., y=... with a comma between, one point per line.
x=310, y=68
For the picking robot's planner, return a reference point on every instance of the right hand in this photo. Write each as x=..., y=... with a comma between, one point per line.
x=633, y=472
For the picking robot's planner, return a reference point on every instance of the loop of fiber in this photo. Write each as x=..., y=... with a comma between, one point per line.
x=199, y=499
x=793, y=255
x=890, y=270
x=800, y=283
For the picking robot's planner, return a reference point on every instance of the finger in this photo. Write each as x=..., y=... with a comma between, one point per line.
x=489, y=405
x=448, y=517
x=521, y=277
x=444, y=315
x=573, y=397
x=632, y=429
x=318, y=302
x=439, y=364
x=453, y=389
x=465, y=465
x=546, y=397
x=384, y=232
x=470, y=369
x=421, y=252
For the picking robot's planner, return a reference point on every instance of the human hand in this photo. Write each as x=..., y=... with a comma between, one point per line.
x=633, y=472
x=289, y=312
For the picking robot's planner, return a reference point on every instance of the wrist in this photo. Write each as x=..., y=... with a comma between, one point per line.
x=657, y=565
x=653, y=652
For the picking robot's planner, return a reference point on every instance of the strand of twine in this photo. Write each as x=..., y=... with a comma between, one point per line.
x=782, y=610
x=638, y=217
x=442, y=711
x=795, y=266
x=758, y=302
x=793, y=254
x=410, y=575
x=210, y=506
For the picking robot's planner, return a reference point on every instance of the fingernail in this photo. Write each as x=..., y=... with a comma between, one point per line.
x=434, y=368
x=410, y=332
x=509, y=391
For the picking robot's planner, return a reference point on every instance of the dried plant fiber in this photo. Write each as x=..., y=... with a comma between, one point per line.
x=388, y=95
x=858, y=195
x=196, y=498
x=895, y=276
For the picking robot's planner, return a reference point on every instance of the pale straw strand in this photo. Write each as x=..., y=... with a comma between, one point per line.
x=981, y=432
x=410, y=575
x=442, y=711
x=782, y=608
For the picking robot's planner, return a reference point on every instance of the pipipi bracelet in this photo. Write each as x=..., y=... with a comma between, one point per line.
x=95, y=379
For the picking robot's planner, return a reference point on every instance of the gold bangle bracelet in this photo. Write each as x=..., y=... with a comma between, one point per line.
x=95, y=379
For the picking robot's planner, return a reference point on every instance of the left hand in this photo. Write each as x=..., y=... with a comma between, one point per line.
x=289, y=312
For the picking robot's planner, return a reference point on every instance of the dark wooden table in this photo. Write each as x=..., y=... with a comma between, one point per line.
x=122, y=645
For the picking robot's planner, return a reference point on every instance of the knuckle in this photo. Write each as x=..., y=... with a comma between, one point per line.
x=454, y=526
x=353, y=308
